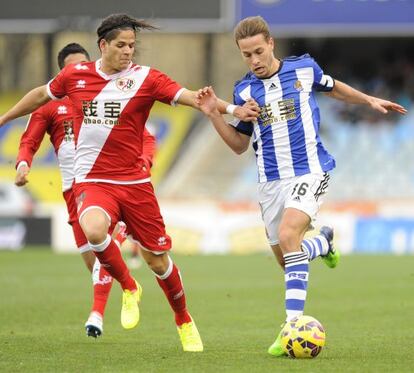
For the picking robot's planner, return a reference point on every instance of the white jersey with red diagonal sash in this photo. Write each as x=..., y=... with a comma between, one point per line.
x=110, y=112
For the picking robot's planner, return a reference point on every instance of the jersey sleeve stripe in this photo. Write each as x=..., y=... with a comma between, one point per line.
x=177, y=96
x=49, y=92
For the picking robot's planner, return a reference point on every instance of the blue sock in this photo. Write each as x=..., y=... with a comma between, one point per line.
x=315, y=246
x=296, y=279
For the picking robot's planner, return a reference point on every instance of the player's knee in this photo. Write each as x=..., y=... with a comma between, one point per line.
x=95, y=226
x=157, y=263
x=95, y=231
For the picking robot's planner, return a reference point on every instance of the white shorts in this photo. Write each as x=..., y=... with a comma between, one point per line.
x=300, y=192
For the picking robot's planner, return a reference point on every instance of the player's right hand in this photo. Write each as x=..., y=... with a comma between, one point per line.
x=21, y=175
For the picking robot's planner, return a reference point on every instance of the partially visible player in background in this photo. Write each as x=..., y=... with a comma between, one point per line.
x=56, y=119
x=134, y=261
x=292, y=163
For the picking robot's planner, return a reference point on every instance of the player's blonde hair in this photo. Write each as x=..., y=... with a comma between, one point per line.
x=251, y=26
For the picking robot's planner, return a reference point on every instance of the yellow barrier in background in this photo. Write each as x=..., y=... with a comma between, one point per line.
x=170, y=126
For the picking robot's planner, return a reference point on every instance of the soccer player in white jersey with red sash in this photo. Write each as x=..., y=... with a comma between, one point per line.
x=112, y=98
x=292, y=163
x=56, y=119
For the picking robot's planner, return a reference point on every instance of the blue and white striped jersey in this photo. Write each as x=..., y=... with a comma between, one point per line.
x=286, y=135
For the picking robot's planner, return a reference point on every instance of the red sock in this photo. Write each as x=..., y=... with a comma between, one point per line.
x=173, y=289
x=102, y=284
x=110, y=257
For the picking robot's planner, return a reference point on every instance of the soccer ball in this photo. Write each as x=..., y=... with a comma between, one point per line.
x=303, y=337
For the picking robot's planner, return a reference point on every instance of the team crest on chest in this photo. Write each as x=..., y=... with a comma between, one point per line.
x=125, y=84
x=298, y=85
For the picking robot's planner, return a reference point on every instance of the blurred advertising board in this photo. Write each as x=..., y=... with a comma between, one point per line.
x=384, y=235
x=169, y=125
x=332, y=17
x=17, y=232
x=44, y=16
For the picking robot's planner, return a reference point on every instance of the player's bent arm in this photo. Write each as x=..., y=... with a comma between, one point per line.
x=346, y=93
x=29, y=103
x=32, y=137
x=237, y=141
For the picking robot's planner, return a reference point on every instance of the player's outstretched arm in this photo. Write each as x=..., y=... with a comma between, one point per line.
x=344, y=92
x=246, y=113
x=209, y=105
x=29, y=103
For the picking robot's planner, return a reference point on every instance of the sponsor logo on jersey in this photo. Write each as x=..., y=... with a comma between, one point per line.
x=285, y=110
x=125, y=84
x=80, y=84
x=266, y=115
x=62, y=109
x=81, y=67
x=298, y=85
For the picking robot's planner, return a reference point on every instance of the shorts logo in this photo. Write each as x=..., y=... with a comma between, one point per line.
x=79, y=200
x=125, y=84
x=162, y=241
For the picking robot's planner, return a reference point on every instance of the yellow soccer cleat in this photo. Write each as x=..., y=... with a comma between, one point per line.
x=190, y=337
x=130, y=309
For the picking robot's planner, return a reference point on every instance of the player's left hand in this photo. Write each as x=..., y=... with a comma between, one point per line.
x=385, y=106
x=248, y=112
x=207, y=101
x=21, y=176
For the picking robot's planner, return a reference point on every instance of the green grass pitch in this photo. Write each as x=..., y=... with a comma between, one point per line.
x=366, y=306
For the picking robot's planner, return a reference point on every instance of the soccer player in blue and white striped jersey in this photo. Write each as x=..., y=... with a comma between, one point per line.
x=292, y=162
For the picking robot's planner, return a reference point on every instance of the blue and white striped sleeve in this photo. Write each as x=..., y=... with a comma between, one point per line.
x=245, y=128
x=322, y=82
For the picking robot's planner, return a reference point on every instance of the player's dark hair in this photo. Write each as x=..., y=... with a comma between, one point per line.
x=112, y=25
x=251, y=26
x=71, y=48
